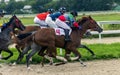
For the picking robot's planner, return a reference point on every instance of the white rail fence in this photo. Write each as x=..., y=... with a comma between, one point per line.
x=101, y=23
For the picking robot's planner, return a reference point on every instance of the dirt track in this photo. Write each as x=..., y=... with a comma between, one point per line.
x=99, y=67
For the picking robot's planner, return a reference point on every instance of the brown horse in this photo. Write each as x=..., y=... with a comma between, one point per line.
x=47, y=39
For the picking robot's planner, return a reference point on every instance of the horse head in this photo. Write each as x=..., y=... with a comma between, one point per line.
x=16, y=23
x=89, y=23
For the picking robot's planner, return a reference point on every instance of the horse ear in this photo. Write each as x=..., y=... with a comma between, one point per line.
x=14, y=15
x=90, y=17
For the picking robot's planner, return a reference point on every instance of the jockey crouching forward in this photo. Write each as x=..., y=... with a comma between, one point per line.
x=50, y=20
x=40, y=18
x=66, y=22
x=2, y=13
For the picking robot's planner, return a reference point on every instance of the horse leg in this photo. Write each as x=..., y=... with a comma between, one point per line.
x=67, y=54
x=11, y=54
x=78, y=56
x=54, y=52
x=18, y=48
x=25, y=51
x=0, y=54
x=50, y=54
x=84, y=46
x=30, y=55
x=41, y=53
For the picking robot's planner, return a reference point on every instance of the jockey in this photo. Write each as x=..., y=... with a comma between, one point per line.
x=50, y=20
x=40, y=18
x=2, y=13
x=67, y=21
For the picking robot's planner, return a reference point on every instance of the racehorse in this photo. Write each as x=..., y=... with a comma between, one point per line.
x=27, y=31
x=5, y=35
x=47, y=39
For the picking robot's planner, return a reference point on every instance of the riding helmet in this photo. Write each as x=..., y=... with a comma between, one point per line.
x=74, y=13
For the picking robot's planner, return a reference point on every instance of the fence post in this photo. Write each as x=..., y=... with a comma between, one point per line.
x=60, y=51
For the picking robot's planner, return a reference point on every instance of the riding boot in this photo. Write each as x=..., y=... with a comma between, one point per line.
x=67, y=36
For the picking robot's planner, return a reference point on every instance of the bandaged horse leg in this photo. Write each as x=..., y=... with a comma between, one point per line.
x=77, y=54
x=61, y=58
x=49, y=58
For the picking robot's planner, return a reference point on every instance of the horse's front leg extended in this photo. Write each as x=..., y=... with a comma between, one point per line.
x=78, y=56
x=84, y=46
x=11, y=54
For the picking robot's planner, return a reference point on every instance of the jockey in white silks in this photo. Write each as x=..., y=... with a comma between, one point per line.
x=40, y=18
x=50, y=20
x=67, y=21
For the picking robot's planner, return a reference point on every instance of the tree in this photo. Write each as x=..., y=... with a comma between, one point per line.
x=13, y=6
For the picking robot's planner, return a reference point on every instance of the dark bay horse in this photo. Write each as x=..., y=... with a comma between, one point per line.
x=26, y=32
x=5, y=35
x=47, y=39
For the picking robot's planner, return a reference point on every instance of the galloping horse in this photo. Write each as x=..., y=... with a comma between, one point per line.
x=47, y=39
x=5, y=35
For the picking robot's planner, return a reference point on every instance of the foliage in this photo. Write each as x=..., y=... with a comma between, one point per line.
x=43, y=5
x=13, y=6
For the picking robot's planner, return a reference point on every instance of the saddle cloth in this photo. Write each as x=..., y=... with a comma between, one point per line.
x=59, y=31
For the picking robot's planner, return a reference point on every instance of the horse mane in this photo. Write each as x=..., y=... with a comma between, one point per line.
x=10, y=21
x=83, y=19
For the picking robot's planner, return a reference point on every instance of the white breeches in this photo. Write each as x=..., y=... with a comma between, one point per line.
x=63, y=25
x=40, y=22
x=0, y=29
x=50, y=22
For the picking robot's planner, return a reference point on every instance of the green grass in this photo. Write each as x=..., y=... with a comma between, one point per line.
x=102, y=51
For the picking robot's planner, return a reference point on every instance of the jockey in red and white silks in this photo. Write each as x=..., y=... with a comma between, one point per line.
x=40, y=19
x=61, y=22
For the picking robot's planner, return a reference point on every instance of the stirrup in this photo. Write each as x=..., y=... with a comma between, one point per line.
x=67, y=40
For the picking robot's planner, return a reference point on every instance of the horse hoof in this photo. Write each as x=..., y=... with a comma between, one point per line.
x=14, y=64
x=94, y=56
x=50, y=63
x=83, y=65
x=29, y=69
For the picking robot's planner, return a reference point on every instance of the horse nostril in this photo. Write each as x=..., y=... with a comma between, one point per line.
x=100, y=30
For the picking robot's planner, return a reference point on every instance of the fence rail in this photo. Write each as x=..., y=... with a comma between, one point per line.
x=101, y=23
